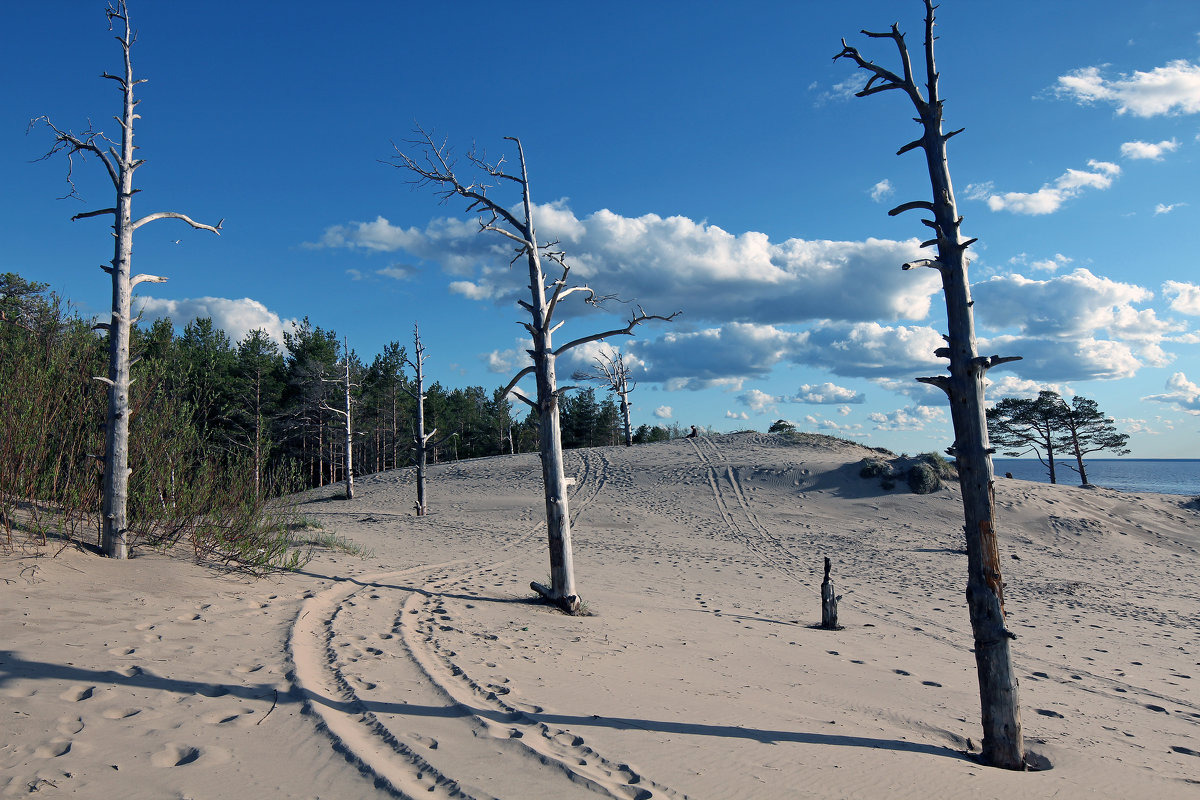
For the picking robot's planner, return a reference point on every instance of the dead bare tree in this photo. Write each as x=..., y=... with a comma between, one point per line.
x=120, y=166
x=421, y=446
x=1003, y=745
x=612, y=371
x=436, y=169
x=345, y=414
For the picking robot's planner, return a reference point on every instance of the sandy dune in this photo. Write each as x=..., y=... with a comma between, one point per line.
x=427, y=671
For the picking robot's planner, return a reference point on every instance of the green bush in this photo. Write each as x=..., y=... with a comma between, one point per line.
x=874, y=468
x=923, y=478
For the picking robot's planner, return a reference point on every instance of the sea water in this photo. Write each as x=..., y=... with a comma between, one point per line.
x=1163, y=475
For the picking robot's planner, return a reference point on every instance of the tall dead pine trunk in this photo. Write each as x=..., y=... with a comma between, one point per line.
x=348, y=427
x=544, y=297
x=1003, y=744
x=120, y=167
x=421, y=446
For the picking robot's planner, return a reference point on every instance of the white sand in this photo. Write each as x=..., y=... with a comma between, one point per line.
x=426, y=670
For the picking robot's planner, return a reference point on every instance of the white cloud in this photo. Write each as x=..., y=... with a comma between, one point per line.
x=1184, y=297
x=843, y=90
x=760, y=402
x=1051, y=196
x=1146, y=150
x=913, y=418
x=737, y=415
x=882, y=190
x=1012, y=386
x=1069, y=305
x=1181, y=393
x=510, y=360
x=664, y=412
x=1163, y=208
x=473, y=291
x=731, y=353
x=668, y=263
x=827, y=394
x=1170, y=89
x=235, y=317
x=822, y=424
x=401, y=272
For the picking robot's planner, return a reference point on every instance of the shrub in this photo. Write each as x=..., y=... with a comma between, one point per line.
x=874, y=468
x=923, y=478
x=943, y=468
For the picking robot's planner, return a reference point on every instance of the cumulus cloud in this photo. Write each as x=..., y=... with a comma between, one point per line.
x=1013, y=386
x=1181, y=394
x=667, y=263
x=1051, y=196
x=1062, y=306
x=827, y=394
x=882, y=190
x=1061, y=323
x=913, y=418
x=1183, y=297
x=1170, y=89
x=731, y=353
x=759, y=402
x=510, y=360
x=822, y=424
x=664, y=412
x=235, y=317
x=737, y=415
x=1146, y=150
x=1084, y=358
x=473, y=291
x=1163, y=208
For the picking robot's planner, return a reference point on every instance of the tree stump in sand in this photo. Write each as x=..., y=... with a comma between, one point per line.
x=829, y=601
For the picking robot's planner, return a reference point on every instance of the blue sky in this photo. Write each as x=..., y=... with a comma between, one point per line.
x=689, y=156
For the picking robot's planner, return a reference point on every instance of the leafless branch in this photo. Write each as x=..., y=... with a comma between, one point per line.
x=157, y=215
x=637, y=319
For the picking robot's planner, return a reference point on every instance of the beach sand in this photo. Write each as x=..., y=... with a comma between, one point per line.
x=427, y=669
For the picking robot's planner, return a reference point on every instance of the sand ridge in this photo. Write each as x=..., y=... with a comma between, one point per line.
x=428, y=670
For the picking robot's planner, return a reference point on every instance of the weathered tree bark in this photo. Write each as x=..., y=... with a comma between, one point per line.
x=120, y=167
x=1003, y=745
x=421, y=445
x=345, y=414
x=612, y=371
x=544, y=299
x=829, y=601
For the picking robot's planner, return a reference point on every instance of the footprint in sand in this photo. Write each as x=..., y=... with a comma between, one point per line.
x=53, y=748
x=1045, y=712
x=69, y=726
x=222, y=717
x=77, y=693
x=120, y=712
x=175, y=755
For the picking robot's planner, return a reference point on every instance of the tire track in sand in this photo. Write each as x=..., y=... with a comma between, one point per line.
x=439, y=741
x=768, y=547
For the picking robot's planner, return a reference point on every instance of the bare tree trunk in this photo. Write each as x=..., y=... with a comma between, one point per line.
x=115, y=491
x=344, y=412
x=421, y=445
x=434, y=169
x=1003, y=744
